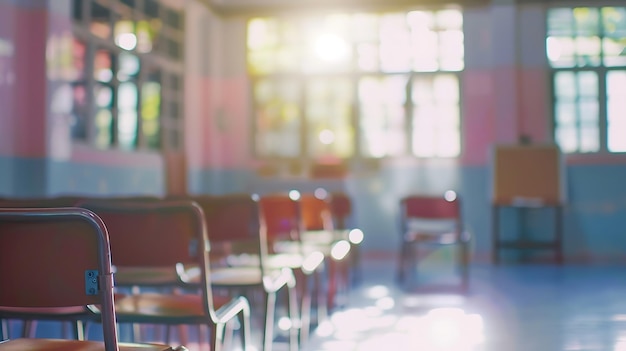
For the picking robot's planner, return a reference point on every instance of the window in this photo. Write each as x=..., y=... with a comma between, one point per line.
x=123, y=62
x=343, y=86
x=586, y=48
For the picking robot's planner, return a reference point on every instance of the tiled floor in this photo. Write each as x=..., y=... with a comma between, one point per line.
x=528, y=307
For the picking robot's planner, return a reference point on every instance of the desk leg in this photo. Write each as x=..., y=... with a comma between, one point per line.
x=495, y=234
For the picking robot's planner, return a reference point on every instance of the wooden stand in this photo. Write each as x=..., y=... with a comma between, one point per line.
x=522, y=243
x=527, y=177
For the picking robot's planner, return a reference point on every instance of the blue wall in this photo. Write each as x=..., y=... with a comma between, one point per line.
x=594, y=221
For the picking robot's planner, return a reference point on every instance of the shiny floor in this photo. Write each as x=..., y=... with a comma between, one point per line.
x=526, y=306
x=514, y=306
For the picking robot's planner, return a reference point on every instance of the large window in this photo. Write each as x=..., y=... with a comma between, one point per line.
x=586, y=48
x=123, y=65
x=344, y=86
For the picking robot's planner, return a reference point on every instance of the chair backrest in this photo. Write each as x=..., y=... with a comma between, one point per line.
x=57, y=258
x=431, y=212
x=341, y=208
x=230, y=218
x=158, y=234
x=148, y=233
x=234, y=221
x=43, y=202
x=280, y=214
x=315, y=212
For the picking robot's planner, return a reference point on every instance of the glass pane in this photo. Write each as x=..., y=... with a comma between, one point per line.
x=560, y=22
x=103, y=96
x=588, y=109
x=565, y=113
x=588, y=51
x=616, y=105
x=128, y=68
x=103, y=124
x=614, y=43
x=127, y=115
x=424, y=50
x=614, y=51
x=587, y=21
x=365, y=27
x=124, y=35
x=394, y=44
x=381, y=101
x=446, y=88
x=278, y=118
x=567, y=139
x=588, y=84
x=329, y=116
x=80, y=112
x=560, y=51
x=367, y=57
x=565, y=85
x=589, y=138
x=449, y=19
x=451, y=42
x=436, y=116
x=102, y=70
x=151, y=110
x=146, y=33
x=328, y=46
x=65, y=58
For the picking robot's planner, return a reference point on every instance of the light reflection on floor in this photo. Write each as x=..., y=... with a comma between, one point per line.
x=538, y=307
x=378, y=324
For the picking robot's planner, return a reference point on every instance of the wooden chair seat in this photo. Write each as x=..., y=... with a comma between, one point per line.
x=24, y=344
x=154, y=276
x=165, y=308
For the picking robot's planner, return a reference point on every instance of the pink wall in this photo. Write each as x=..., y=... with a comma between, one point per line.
x=29, y=112
x=478, y=116
x=227, y=132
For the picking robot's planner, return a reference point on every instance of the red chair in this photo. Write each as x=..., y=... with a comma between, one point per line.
x=234, y=224
x=280, y=216
x=341, y=208
x=70, y=316
x=54, y=259
x=163, y=235
x=428, y=221
x=320, y=233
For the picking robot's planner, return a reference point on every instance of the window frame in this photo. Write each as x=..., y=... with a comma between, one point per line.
x=171, y=99
x=601, y=70
x=353, y=75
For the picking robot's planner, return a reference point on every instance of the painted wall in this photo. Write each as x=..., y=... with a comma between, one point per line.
x=505, y=94
x=37, y=156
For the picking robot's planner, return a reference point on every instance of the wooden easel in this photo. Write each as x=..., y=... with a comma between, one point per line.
x=527, y=177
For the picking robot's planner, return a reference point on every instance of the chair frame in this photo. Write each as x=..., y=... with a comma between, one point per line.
x=215, y=318
x=429, y=207
x=247, y=228
x=281, y=218
x=54, y=224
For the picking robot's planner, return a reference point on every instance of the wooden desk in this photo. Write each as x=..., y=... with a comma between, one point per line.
x=556, y=244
